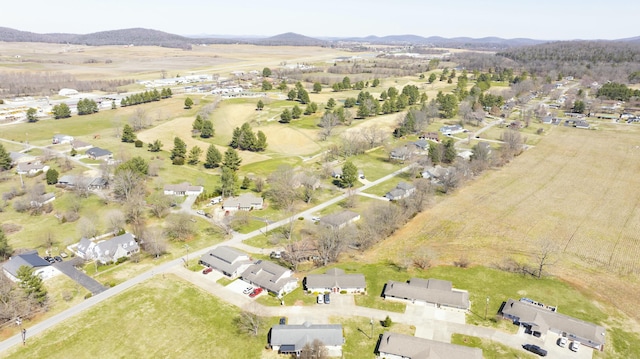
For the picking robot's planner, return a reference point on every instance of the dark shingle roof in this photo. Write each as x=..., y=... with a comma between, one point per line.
x=30, y=259
x=295, y=337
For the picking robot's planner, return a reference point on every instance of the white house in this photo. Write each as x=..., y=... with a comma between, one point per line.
x=30, y=259
x=109, y=250
x=339, y=220
x=402, y=346
x=227, y=260
x=335, y=280
x=270, y=276
x=291, y=339
x=29, y=168
x=182, y=189
x=436, y=292
x=244, y=202
x=401, y=191
x=451, y=130
x=60, y=139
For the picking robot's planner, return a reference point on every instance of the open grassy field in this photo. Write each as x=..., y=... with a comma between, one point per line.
x=490, y=349
x=164, y=317
x=575, y=189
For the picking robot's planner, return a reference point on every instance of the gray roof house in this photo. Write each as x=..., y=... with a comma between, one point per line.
x=60, y=138
x=182, y=189
x=30, y=259
x=291, y=339
x=270, y=276
x=401, y=346
x=17, y=157
x=80, y=145
x=340, y=219
x=244, y=202
x=401, y=191
x=401, y=153
x=109, y=250
x=543, y=319
x=98, y=153
x=227, y=260
x=436, y=292
x=31, y=168
x=450, y=130
x=335, y=280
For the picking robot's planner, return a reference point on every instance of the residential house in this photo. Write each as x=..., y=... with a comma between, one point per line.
x=80, y=145
x=401, y=154
x=244, y=202
x=30, y=259
x=43, y=199
x=227, y=260
x=430, y=136
x=402, y=346
x=336, y=172
x=182, y=189
x=60, y=139
x=110, y=250
x=98, y=153
x=335, y=280
x=451, y=130
x=422, y=145
x=30, y=169
x=291, y=339
x=582, y=124
x=18, y=157
x=435, y=173
x=270, y=276
x=98, y=183
x=465, y=154
x=439, y=293
x=339, y=220
x=401, y=191
x=547, y=120
x=542, y=319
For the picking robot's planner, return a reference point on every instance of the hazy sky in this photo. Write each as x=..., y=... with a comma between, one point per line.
x=539, y=19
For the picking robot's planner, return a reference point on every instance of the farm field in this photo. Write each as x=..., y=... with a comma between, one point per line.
x=575, y=189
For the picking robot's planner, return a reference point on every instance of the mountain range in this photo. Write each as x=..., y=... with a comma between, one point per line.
x=149, y=37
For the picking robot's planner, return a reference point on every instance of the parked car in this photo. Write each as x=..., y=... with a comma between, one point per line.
x=200, y=212
x=247, y=290
x=562, y=342
x=327, y=298
x=49, y=259
x=207, y=270
x=320, y=298
x=58, y=258
x=574, y=346
x=255, y=292
x=283, y=321
x=535, y=349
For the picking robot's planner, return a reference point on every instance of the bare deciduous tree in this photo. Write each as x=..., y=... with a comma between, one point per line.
x=544, y=256
x=114, y=220
x=259, y=183
x=140, y=120
x=513, y=143
x=328, y=122
x=180, y=227
x=249, y=322
x=314, y=350
x=154, y=241
x=87, y=227
x=127, y=184
x=283, y=182
x=160, y=204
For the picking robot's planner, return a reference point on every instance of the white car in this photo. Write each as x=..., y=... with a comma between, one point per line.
x=562, y=342
x=247, y=290
x=574, y=346
x=200, y=212
x=320, y=298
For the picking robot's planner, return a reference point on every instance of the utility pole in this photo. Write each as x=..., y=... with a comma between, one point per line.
x=371, y=322
x=486, y=307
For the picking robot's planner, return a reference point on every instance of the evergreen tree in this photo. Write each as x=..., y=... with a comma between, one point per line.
x=285, y=116
x=137, y=164
x=32, y=284
x=266, y=72
x=188, y=102
x=155, y=146
x=207, y=129
x=61, y=111
x=228, y=180
x=246, y=183
x=213, y=157
x=5, y=159
x=261, y=142
x=449, y=151
x=375, y=83
x=179, y=148
x=292, y=94
x=296, y=112
x=5, y=248
x=52, y=176
x=331, y=103
x=435, y=152
x=303, y=96
x=198, y=123
x=317, y=87
x=113, y=105
x=232, y=160
x=247, y=138
x=127, y=134
x=194, y=155
x=260, y=105
x=266, y=85
x=349, y=174
x=346, y=83
x=235, y=137
x=283, y=86
x=32, y=115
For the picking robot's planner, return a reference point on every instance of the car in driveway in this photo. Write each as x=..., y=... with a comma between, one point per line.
x=283, y=321
x=562, y=342
x=207, y=270
x=49, y=259
x=58, y=258
x=200, y=212
x=320, y=298
x=255, y=292
x=535, y=349
x=247, y=290
x=327, y=298
x=574, y=346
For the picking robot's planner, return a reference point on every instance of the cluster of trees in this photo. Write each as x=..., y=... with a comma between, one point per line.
x=5, y=159
x=203, y=126
x=145, y=97
x=87, y=107
x=23, y=83
x=617, y=91
x=299, y=94
x=296, y=112
x=245, y=139
x=179, y=153
x=61, y=110
x=229, y=177
x=332, y=118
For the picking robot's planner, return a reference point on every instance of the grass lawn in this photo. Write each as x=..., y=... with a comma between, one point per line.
x=375, y=164
x=359, y=343
x=490, y=349
x=175, y=319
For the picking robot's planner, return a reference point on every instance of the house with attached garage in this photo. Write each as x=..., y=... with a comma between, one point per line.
x=451, y=130
x=401, y=346
x=60, y=139
x=28, y=168
x=227, y=260
x=291, y=339
x=335, y=280
x=542, y=319
x=435, y=292
x=97, y=153
x=244, y=202
x=401, y=154
x=31, y=259
x=401, y=191
x=271, y=277
x=108, y=251
x=339, y=220
x=182, y=189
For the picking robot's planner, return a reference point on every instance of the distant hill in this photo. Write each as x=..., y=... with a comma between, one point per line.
x=135, y=36
x=456, y=42
x=291, y=39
